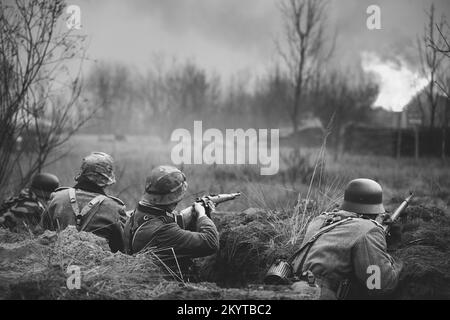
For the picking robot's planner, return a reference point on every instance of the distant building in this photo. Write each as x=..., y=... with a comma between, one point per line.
x=382, y=118
x=419, y=108
x=416, y=112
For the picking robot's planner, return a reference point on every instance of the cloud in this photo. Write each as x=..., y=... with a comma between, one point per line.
x=397, y=83
x=231, y=35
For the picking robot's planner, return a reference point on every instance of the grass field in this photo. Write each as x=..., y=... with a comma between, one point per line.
x=137, y=155
x=269, y=220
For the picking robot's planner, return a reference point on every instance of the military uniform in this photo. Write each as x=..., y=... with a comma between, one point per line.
x=106, y=219
x=23, y=212
x=153, y=225
x=340, y=257
x=149, y=228
x=87, y=206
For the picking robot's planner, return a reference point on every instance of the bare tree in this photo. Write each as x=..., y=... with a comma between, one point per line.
x=37, y=96
x=441, y=48
x=445, y=87
x=271, y=97
x=178, y=95
x=341, y=102
x=431, y=61
x=111, y=88
x=303, y=46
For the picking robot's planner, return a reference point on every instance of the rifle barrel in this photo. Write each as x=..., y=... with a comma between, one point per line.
x=400, y=208
x=396, y=214
x=223, y=197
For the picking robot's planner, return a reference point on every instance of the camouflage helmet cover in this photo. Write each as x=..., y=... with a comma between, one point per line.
x=363, y=196
x=98, y=168
x=164, y=186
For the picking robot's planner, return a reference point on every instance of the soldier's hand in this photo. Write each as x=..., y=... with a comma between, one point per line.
x=209, y=207
x=394, y=235
x=386, y=219
x=199, y=210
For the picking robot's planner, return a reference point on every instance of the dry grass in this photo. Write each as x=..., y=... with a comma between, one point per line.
x=36, y=268
x=250, y=241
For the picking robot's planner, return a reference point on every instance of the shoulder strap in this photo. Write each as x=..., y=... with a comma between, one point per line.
x=73, y=201
x=61, y=188
x=116, y=200
x=91, y=209
x=93, y=204
x=310, y=242
x=377, y=223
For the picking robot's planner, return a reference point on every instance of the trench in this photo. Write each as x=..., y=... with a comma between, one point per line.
x=249, y=245
x=248, y=250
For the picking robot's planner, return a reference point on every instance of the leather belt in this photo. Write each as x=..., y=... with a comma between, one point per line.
x=339, y=287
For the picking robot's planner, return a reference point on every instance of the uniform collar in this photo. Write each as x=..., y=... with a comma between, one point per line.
x=148, y=209
x=153, y=210
x=347, y=214
x=89, y=186
x=344, y=214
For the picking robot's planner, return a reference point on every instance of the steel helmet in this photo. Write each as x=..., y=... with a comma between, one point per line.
x=363, y=196
x=164, y=186
x=98, y=168
x=46, y=182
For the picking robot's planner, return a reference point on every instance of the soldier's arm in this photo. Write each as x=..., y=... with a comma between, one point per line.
x=117, y=242
x=47, y=216
x=115, y=230
x=202, y=242
x=370, y=256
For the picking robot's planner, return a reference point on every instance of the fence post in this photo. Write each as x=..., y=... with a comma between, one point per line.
x=399, y=134
x=416, y=142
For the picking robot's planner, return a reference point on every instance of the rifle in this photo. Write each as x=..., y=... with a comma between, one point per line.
x=184, y=218
x=396, y=214
x=217, y=199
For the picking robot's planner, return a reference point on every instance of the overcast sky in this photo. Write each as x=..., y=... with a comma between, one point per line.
x=233, y=35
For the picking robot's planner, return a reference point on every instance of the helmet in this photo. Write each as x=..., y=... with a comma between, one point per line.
x=98, y=168
x=46, y=182
x=363, y=196
x=164, y=186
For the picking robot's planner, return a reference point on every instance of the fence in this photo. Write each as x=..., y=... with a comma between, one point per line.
x=385, y=141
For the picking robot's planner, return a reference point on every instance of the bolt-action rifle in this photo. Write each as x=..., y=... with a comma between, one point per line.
x=184, y=218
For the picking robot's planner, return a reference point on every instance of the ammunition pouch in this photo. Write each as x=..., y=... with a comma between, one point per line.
x=279, y=273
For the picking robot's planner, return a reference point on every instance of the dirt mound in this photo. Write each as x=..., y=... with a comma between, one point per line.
x=35, y=268
x=209, y=291
x=425, y=251
x=248, y=246
x=10, y=237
